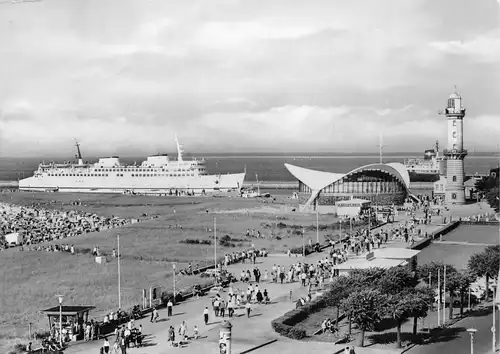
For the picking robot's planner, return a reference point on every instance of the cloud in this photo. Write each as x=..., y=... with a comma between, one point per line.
x=124, y=75
x=484, y=48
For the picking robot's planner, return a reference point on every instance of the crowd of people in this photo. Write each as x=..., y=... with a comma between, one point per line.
x=36, y=225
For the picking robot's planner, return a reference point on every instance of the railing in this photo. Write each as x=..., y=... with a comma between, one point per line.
x=455, y=151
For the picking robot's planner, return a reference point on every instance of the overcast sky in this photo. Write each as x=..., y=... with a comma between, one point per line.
x=123, y=76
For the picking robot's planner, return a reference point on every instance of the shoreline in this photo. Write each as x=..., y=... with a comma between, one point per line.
x=253, y=184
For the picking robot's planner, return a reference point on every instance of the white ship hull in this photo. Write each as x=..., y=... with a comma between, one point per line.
x=158, y=184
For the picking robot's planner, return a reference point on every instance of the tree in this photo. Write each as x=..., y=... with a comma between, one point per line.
x=363, y=278
x=432, y=269
x=397, y=279
x=452, y=285
x=339, y=290
x=488, y=187
x=466, y=279
x=421, y=308
x=493, y=198
x=486, y=264
x=409, y=303
x=365, y=308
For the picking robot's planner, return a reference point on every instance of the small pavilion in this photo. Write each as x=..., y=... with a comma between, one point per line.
x=73, y=319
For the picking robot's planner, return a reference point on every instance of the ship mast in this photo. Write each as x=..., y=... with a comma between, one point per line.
x=381, y=147
x=79, y=153
x=179, y=150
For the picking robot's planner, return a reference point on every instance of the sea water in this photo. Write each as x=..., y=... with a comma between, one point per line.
x=267, y=167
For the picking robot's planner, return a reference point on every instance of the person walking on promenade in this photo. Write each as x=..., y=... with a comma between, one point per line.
x=205, y=315
x=170, y=306
x=106, y=346
x=248, y=308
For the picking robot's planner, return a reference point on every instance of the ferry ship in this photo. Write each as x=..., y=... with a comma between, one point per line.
x=427, y=169
x=158, y=174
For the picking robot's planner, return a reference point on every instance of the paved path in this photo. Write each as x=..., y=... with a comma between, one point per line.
x=191, y=311
x=456, y=340
x=247, y=332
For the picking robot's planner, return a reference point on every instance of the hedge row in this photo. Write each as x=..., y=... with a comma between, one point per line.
x=289, y=325
x=183, y=293
x=299, y=250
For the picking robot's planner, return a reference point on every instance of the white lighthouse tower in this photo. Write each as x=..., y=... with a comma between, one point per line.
x=455, y=153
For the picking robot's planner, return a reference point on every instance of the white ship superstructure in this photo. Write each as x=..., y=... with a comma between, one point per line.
x=427, y=169
x=157, y=174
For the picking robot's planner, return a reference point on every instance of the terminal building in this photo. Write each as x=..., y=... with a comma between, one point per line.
x=382, y=184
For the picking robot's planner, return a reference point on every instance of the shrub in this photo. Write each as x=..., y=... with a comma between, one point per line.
x=195, y=241
x=297, y=332
x=225, y=241
x=281, y=225
x=299, y=250
x=280, y=327
x=289, y=325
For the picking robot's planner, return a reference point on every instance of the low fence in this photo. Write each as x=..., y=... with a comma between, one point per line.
x=439, y=232
x=482, y=222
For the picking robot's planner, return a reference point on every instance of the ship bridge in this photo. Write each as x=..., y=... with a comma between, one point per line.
x=156, y=161
x=109, y=161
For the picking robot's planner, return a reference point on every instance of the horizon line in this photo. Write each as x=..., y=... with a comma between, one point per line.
x=260, y=153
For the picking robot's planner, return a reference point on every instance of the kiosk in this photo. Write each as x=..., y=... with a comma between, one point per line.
x=73, y=320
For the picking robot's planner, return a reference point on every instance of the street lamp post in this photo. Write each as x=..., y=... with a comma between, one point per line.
x=494, y=327
x=215, y=246
x=60, y=298
x=303, y=242
x=317, y=224
x=118, y=255
x=472, y=331
x=173, y=267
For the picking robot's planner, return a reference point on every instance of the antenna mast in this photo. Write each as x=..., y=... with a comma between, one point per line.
x=381, y=148
x=79, y=153
x=179, y=150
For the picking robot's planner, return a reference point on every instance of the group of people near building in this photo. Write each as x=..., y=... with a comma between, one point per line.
x=36, y=225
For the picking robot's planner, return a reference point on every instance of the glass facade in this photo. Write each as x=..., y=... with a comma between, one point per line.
x=376, y=185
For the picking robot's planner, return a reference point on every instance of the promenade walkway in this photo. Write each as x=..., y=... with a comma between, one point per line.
x=247, y=332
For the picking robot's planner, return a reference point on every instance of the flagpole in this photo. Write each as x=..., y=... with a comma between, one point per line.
x=340, y=235
x=215, y=245
x=119, y=273
x=444, y=296
x=439, y=297
x=317, y=224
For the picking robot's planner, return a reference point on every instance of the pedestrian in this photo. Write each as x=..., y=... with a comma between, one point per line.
x=205, y=315
x=170, y=306
x=106, y=346
x=171, y=335
x=248, y=308
x=116, y=347
x=196, y=333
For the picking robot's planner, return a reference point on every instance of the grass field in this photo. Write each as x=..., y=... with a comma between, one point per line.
x=30, y=280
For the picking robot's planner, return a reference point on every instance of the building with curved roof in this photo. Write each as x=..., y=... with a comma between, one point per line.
x=384, y=184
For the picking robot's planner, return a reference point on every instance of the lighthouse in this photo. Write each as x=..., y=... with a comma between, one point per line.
x=455, y=153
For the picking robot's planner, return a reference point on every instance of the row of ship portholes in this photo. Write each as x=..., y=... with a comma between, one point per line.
x=121, y=175
x=148, y=170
